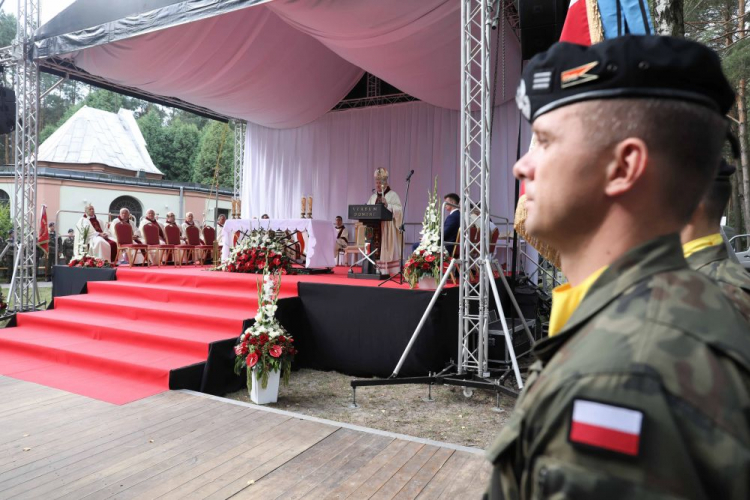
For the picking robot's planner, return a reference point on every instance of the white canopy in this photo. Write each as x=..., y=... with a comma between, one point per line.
x=279, y=64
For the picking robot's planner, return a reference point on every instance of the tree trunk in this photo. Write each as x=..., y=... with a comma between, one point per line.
x=734, y=211
x=742, y=119
x=744, y=159
x=669, y=17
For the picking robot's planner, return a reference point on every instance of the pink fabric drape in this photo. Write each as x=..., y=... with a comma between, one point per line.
x=414, y=45
x=248, y=64
x=286, y=63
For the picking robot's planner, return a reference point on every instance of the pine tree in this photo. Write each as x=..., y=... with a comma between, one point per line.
x=216, y=144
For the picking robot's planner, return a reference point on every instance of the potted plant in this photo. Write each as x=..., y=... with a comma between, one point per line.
x=83, y=241
x=423, y=266
x=265, y=349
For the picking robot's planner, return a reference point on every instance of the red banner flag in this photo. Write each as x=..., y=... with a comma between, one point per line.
x=576, y=27
x=44, y=231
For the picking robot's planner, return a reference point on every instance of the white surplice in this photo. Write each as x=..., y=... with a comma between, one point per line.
x=390, y=256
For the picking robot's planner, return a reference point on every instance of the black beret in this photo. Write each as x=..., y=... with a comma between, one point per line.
x=725, y=170
x=627, y=66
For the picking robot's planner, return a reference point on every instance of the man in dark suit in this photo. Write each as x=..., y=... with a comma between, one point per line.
x=451, y=224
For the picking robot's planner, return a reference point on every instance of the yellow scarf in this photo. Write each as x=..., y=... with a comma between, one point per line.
x=691, y=247
x=566, y=299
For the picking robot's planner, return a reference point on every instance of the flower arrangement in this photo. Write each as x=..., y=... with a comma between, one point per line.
x=425, y=261
x=266, y=346
x=257, y=252
x=88, y=261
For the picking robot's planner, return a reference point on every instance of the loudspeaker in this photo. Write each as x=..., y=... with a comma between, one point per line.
x=540, y=22
x=7, y=110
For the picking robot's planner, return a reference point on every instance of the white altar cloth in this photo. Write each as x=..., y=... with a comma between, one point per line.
x=321, y=242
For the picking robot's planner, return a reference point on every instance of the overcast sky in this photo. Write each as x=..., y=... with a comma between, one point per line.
x=49, y=8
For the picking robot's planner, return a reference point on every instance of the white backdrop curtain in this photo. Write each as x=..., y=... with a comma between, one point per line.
x=333, y=160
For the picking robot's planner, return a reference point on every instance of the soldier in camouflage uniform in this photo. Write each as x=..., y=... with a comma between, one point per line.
x=704, y=246
x=645, y=391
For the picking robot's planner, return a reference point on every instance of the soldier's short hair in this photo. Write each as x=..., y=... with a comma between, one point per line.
x=684, y=140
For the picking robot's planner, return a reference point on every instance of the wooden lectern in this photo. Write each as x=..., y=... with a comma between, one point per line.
x=371, y=216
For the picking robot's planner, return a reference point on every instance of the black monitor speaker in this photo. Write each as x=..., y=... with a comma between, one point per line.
x=540, y=22
x=7, y=110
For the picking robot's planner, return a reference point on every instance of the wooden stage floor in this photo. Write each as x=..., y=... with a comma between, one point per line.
x=178, y=444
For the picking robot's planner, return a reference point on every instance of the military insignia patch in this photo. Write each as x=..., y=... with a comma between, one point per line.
x=605, y=426
x=578, y=75
x=522, y=100
x=542, y=80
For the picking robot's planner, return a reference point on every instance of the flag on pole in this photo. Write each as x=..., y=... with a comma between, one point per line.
x=44, y=231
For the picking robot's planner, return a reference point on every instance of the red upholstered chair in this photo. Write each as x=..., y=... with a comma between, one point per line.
x=207, y=248
x=151, y=234
x=494, y=236
x=125, y=243
x=173, y=233
x=193, y=235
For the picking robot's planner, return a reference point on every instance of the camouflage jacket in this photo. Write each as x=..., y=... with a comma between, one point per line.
x=651, y=338
x=730, y=276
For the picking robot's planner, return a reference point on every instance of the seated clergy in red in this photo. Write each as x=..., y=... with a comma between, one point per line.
x=189, y=222
x=91, y=231
x=150, y=218
x=124, y=218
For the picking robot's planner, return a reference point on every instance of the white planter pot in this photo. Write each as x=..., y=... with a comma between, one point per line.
x=427, y=283
x=270, y=394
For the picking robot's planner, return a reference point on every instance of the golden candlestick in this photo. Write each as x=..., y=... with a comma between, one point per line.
x=309, y=207
x=302, y=214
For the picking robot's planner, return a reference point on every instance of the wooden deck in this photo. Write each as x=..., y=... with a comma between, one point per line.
x=54, y=444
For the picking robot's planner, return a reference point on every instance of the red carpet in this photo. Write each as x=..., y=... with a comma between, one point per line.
x=119, y=342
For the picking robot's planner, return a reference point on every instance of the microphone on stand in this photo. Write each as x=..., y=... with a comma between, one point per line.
x=409, y=176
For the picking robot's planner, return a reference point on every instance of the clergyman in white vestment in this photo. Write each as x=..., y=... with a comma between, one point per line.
x=125, y=219
x=97, y=237
x=390, y=239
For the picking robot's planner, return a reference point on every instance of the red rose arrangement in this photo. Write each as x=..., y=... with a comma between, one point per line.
x=88, y=261
x=258, y=252
x=425, y=261
x=266, y=346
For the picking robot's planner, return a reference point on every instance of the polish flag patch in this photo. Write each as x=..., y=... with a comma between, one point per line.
x=608, y=427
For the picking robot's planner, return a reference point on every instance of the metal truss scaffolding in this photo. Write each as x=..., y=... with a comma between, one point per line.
x=240, y=128
x=476, y=112
x=475, y=263
x=26, y=83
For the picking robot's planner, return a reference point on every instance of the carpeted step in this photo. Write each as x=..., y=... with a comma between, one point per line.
x=169, y=315
x=189, y=341
x=189, y=297
x=210, y=281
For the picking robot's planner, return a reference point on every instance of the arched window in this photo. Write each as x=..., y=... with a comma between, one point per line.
x=4, y=197
x=135, y=207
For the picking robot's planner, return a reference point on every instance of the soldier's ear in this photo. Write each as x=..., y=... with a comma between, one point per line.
x=627, y=166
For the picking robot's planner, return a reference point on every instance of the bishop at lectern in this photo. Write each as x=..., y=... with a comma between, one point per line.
x=388, y=262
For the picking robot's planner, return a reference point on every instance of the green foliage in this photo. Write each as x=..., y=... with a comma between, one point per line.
x=7, y=29
x=6, y=223
x=210, y=150
x=184, y=140
x=172, y=147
